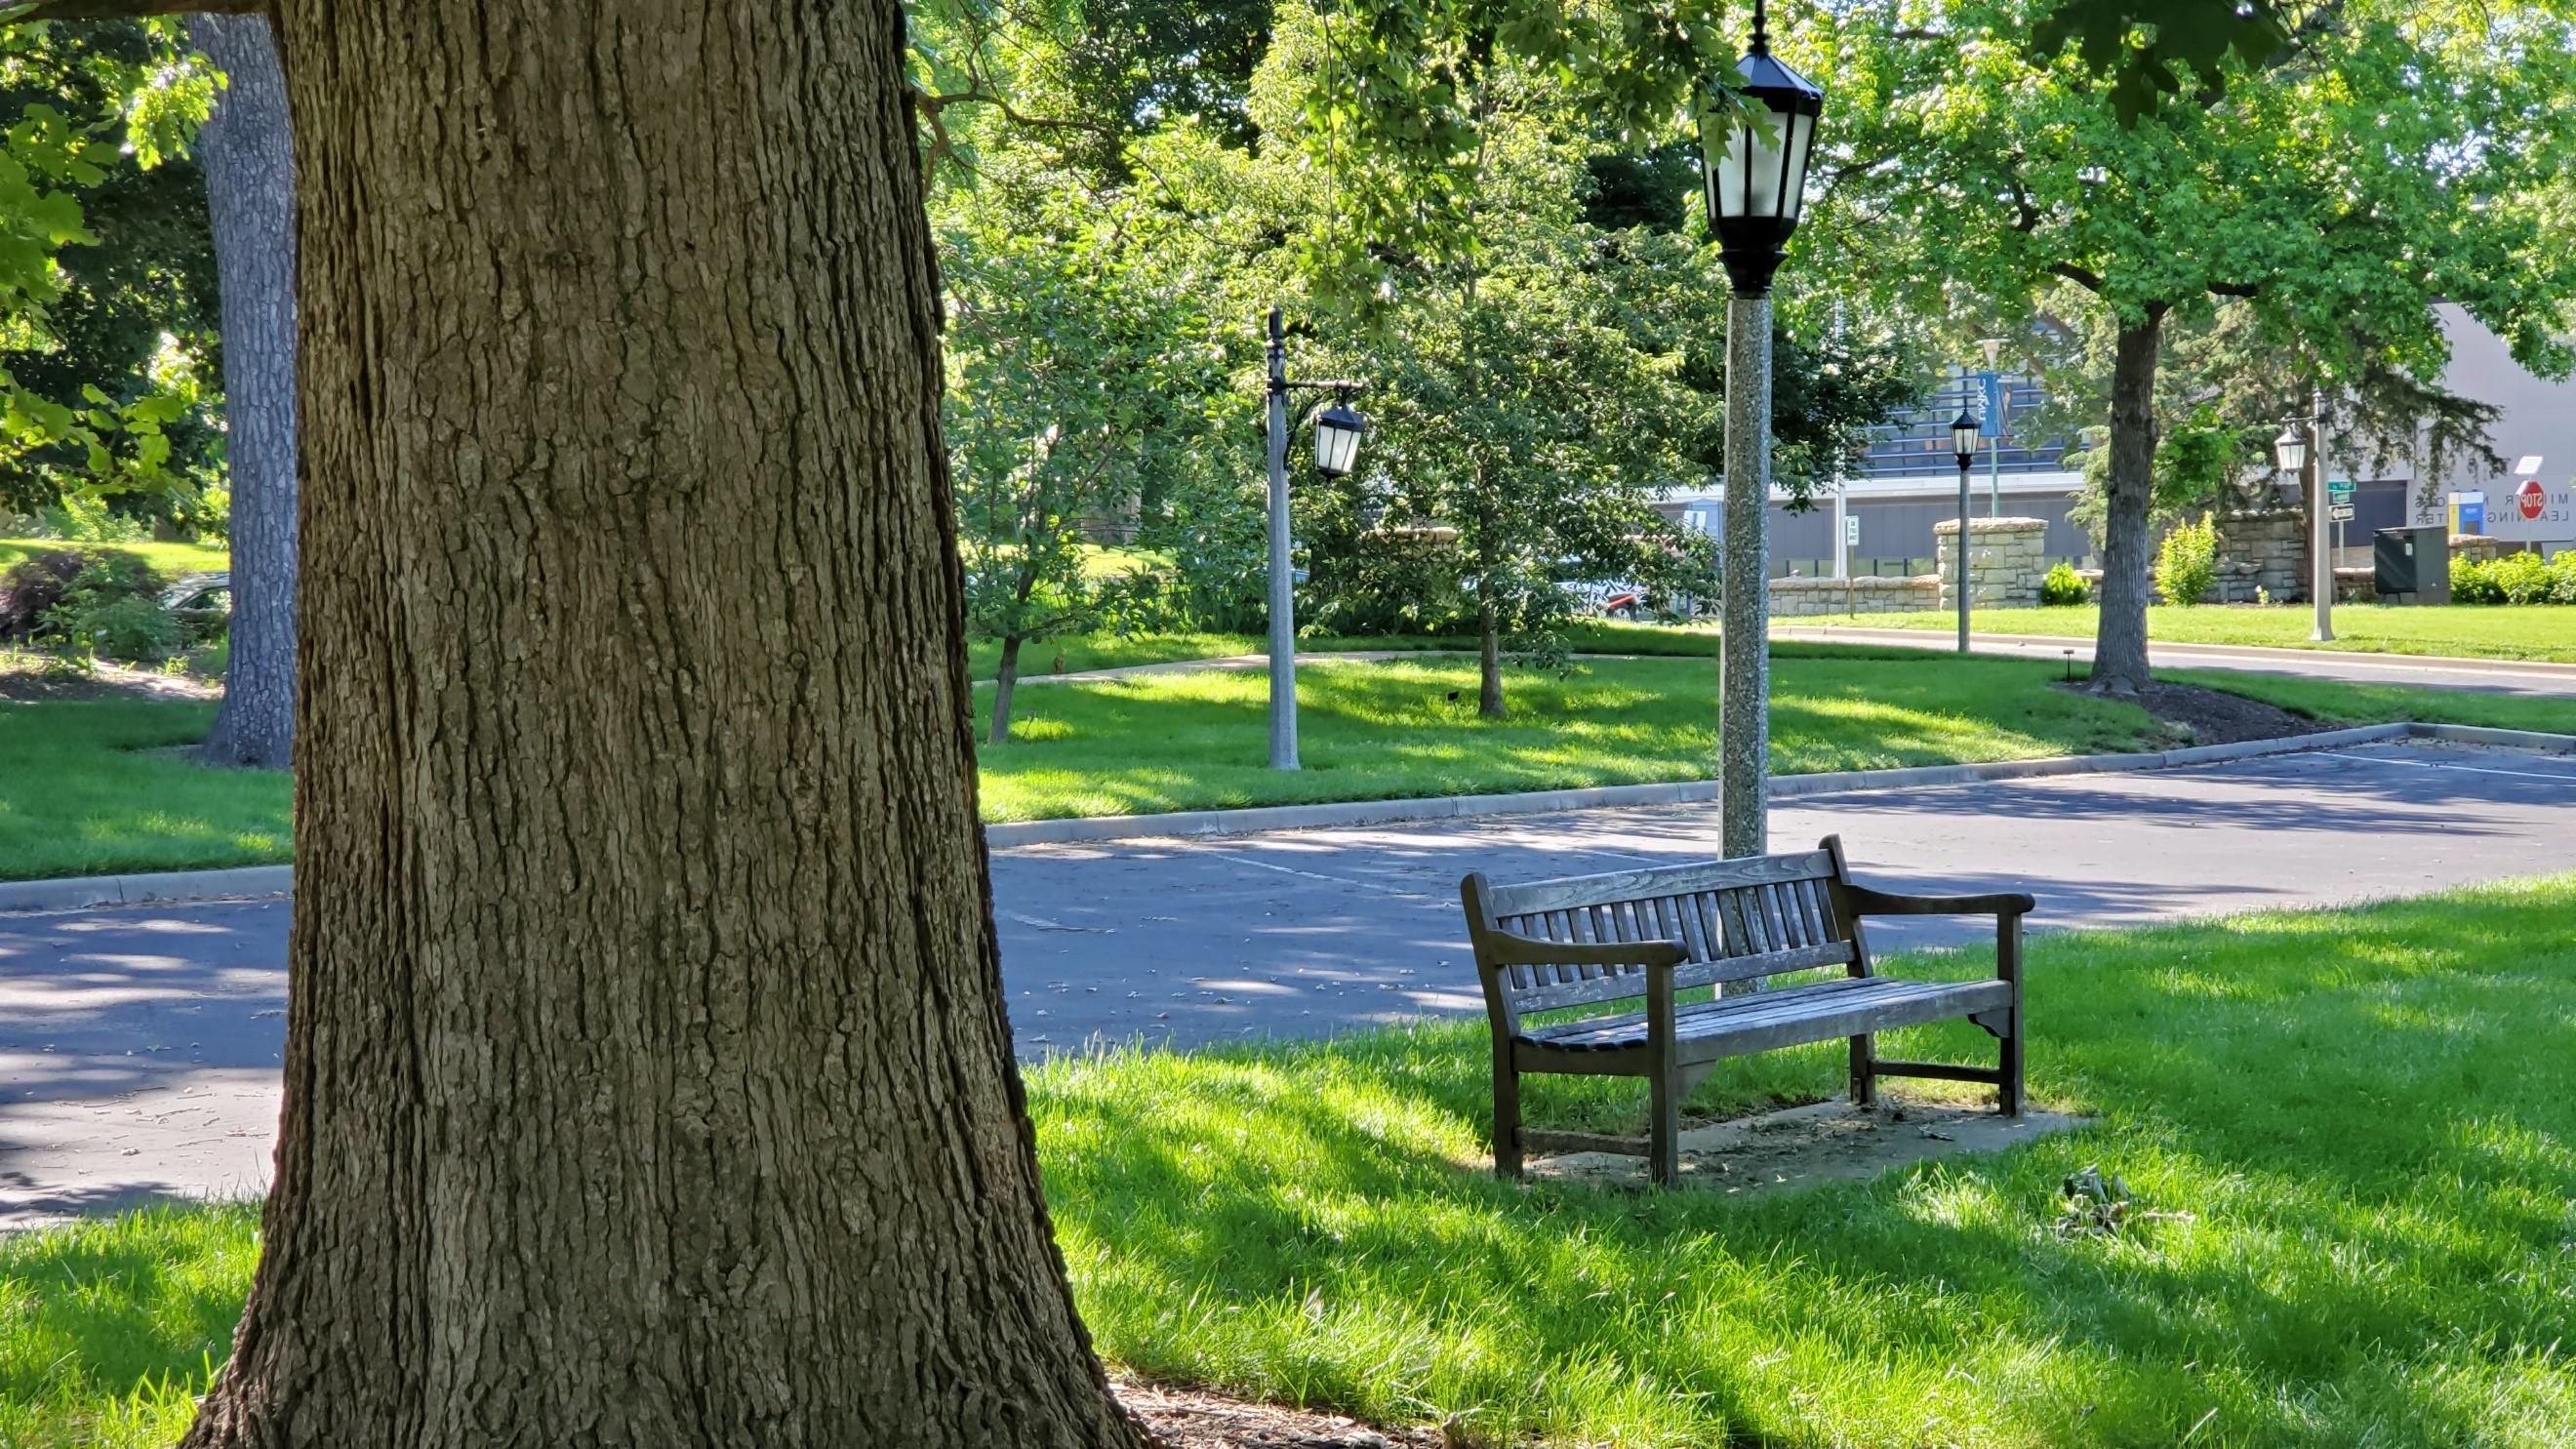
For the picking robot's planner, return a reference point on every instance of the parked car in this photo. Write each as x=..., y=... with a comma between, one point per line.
x=1610, y=598
x=202, y=603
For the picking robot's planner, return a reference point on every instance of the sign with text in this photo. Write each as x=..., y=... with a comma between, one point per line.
x=2534, y=510
x=1851, y=530
x=2339, y=500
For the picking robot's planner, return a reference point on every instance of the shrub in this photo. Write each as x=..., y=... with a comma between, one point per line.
x=2522, y=578
x=2472, y=583
x=2187, y=564
x=2562, y=578
x=90, y=520
x=2064, y=586
x=92, y=601
x=31, y=589
x=133, y=627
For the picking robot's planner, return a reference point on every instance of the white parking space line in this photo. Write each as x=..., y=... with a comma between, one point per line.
x=1366, y=885
x=2463, y=769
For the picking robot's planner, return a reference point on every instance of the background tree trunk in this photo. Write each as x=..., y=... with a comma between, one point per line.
x=1005, y=679
x=247, y=151
x=1489, y=614
x=2120, y=645
x=647, y=1076
x=1489, y=658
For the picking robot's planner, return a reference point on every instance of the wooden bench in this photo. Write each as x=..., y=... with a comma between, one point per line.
x=1584, y=940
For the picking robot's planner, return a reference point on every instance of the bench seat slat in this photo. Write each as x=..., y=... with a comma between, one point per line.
x=1735, y=1025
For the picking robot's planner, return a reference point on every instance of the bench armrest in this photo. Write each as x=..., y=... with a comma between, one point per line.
x=1503, y=948
x=1868, y=902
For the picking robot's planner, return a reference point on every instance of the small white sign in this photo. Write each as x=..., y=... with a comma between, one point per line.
x=1851, y=530
x=2527, y=463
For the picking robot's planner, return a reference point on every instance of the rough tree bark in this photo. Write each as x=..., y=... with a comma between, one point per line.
x=2120, y=643
x=250, y=195
x=647, y=1076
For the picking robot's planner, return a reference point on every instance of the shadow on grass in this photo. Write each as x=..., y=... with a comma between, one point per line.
x=2346, y=1106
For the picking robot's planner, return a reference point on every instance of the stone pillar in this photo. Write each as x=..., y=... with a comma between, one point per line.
x=2006, y=560
x=2261, y=555
x=2476, y=547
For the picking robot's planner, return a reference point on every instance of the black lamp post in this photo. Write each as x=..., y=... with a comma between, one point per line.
x=2300, y=450
x=1963, y=443
x=1754, y=162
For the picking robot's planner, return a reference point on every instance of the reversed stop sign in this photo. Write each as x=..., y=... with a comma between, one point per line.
x=2530, y=497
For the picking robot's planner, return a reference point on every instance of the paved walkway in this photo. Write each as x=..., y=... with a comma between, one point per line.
x=2489, y=676
x=139, y=1047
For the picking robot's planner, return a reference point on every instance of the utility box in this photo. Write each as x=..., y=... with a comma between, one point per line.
x=2411, y=565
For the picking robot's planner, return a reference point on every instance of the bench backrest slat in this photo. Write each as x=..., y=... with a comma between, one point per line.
x=1736, y=920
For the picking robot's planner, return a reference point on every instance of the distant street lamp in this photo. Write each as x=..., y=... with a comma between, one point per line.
x=1755, y=170
x=2303, y=453
x=1963, y=442
x=1338, y=429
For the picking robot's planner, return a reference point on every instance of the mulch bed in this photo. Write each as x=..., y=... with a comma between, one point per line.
x=1186, y=1418
x=2215, y=717
x=25, y=680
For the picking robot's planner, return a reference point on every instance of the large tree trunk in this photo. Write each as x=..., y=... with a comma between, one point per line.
x=2120, y=644
x=250, y=197
x=647, y=1076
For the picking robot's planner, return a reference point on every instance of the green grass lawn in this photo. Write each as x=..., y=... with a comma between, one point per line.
x=2544, y=632
x=2331, y=702
x=1390, y=729
x=84, y=791
x=1082, y=652
x=2355, y=1110
x=88, y=802
x=172, y=559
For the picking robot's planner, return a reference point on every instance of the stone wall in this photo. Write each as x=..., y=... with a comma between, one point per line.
x=2477, y=547
x=1803, y=598
x=2007, y=558
x=2259, y=555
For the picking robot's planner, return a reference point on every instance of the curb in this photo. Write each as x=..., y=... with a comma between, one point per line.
x=79, y=892
x=272, y=880
x=2532, y=740
x=2019, y=644
x=1189, y=823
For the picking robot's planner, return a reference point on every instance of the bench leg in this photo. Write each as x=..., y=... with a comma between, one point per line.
x=2008, y=966
x=1664, y=1128
x=1864, y=1070
x=2010, y=1089
x=1507, y=1116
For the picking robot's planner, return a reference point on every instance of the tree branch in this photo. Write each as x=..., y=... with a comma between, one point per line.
x=2088, y=280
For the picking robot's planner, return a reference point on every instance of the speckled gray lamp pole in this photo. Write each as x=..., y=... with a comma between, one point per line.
x=1754, y=157
x=1744, y=658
